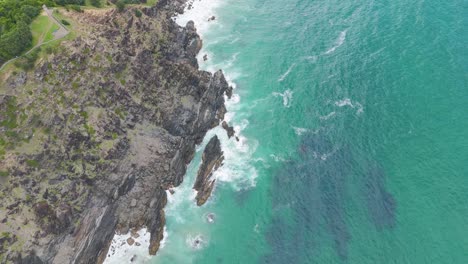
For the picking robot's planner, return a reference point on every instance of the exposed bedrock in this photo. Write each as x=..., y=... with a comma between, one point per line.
x=212, y=159
x=140, y=107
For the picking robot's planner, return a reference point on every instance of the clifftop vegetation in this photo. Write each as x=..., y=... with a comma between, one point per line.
x=16, y=17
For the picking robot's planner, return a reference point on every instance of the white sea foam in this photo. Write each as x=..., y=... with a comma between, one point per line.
x=311, y=58
x=328, y=116
x=348, y=102
x=300, y=130
x=236, y=169
x=121, y=252
x=200, y=12
x=196, y=242
x=188, y=226
x=284, y=75
x=341, y=39
x=344, y=102
x=287, y=97
x=256, y=229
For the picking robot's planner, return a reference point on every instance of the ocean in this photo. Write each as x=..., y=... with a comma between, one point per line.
x=353, y=128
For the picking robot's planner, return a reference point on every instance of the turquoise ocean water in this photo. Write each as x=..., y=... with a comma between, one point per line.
x=353, y=126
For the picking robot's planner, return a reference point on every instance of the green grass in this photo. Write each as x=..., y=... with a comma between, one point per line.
x=50, y=33
x=103, y=4
x=39, y=28
x=152, y=2
x=59, y=16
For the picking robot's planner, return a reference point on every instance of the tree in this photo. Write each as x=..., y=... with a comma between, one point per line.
x=30, y=11
x=120, y=5
x=137, y=13
x=96, y=3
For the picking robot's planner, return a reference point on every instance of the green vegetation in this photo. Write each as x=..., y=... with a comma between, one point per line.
x=9, y=119
x=39, y=26
x=137, y=13
x=76, y=8
x=16, y=36
x=152, y=2
x=95, y=3
x=50, y=33
x=120, y=5
x=32, y=163
x=65, y=22
x=27, y=62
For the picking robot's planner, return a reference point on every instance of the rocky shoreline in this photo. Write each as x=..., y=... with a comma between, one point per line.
x=106, y=124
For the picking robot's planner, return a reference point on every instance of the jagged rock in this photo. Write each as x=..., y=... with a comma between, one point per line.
x=211, y=160
x=229, y=129
x=125, y=107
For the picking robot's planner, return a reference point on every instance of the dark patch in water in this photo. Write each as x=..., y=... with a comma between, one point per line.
x=380, y=203
x=242, y=196
x=309, y=201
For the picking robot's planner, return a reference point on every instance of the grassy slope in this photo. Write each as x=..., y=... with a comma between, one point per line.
x=39, y=27
x=49, y=35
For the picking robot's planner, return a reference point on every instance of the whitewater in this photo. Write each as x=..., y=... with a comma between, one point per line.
x=352, y=146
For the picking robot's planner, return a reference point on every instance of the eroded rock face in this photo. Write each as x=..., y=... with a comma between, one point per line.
x=229, y=129
x=212, y=159
x=123, y=108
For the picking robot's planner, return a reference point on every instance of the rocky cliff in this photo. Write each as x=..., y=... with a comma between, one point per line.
x=95, y=134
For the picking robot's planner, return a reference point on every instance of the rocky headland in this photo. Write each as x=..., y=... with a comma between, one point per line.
x=94, y=135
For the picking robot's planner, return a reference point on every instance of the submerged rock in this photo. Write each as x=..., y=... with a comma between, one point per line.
x=210, y=218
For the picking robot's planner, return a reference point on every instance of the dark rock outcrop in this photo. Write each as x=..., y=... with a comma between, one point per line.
x=121, y=110
x=229, y=129
x=211, y=160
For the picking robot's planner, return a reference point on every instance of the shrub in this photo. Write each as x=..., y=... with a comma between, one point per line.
x=28, y=61
x=32, y=163
x=76, y=8
x=120, y=5
x=49, y=50
x=96, y=3
x=66, y=23
x=137, y=13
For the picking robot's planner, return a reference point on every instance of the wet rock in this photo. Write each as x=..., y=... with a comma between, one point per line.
x=229, y=129
x=211, y=160
x=134, y=107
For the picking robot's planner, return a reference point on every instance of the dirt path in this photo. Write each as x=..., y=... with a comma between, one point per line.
x=58, y=34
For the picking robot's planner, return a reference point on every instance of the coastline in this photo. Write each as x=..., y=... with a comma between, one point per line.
x=127, y=199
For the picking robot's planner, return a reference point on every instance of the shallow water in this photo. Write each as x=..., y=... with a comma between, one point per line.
x=352, y=120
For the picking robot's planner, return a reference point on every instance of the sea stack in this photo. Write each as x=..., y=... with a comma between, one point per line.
x=211, y=160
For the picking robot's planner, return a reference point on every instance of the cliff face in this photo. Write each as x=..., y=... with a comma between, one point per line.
x=97, y=133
